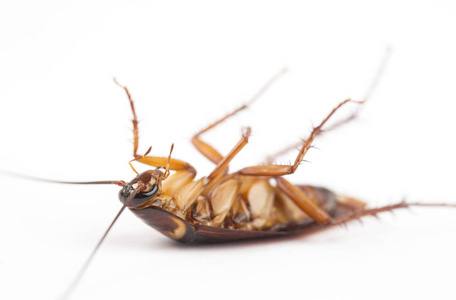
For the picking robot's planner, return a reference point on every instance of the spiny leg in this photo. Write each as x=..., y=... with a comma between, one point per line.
x=375, y=211
x=271, y=158
x=353, y=211
x=293, y=192
x=210, y=152
x=158, y=162
x=134, y=120
x=372, y=86
x=279, y=170
x=358, y=214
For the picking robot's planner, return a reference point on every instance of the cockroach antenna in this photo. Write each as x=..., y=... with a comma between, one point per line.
x=121, y=183
x=69, y=291
x=28, y=177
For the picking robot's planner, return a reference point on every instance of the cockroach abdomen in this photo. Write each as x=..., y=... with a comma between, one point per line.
x=180, y=230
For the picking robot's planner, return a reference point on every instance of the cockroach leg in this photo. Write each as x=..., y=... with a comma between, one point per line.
x=210, y=152
x=207, y=150
x=164, y=162
x=303, y=201
x=167, y=164
x=134, y=120
x=280, y=170
x=159, y=162
x=387, y=208
x=223, y=164
x=271, y=158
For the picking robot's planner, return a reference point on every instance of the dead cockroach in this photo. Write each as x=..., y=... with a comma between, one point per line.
x=254, y=202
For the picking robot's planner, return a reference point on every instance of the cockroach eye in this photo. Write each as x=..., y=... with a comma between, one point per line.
x=147, y=195
x=140, y=198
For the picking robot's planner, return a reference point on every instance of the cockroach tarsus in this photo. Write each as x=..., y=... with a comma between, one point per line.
x=253, y=202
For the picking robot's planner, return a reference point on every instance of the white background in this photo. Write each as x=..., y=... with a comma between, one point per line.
x=187, y=63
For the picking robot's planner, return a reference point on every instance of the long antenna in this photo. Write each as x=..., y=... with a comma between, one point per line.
x=69, y=291
x=28, y=177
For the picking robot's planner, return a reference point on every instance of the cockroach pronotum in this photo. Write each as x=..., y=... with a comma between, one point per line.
x=250, y=203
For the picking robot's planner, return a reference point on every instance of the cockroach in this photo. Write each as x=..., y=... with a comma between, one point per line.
x=250, y=203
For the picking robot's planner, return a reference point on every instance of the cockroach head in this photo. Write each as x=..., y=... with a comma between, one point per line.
x=149, y=185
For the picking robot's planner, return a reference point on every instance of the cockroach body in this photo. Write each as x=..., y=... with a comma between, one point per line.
x=251, y=203
x=254, y=202
x=188, y=230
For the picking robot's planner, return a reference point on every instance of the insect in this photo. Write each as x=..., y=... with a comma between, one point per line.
x=226, y=206
x=254, y=202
